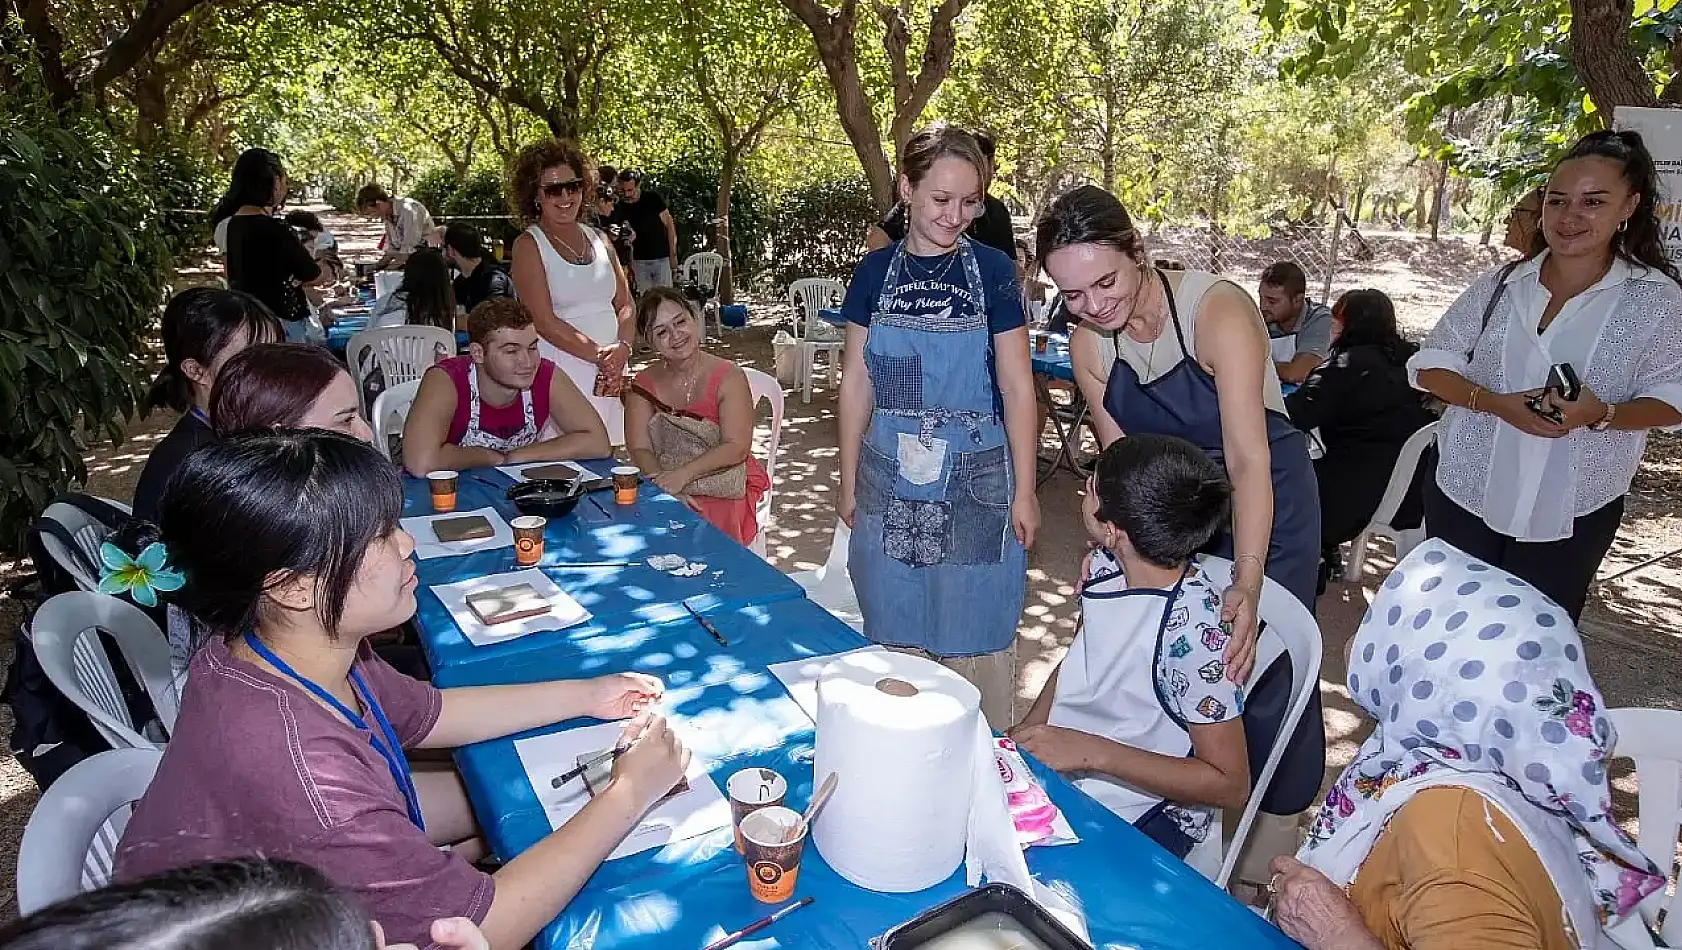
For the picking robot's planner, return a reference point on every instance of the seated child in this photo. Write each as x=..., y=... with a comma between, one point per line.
x=1141, y=711
x=502, y=404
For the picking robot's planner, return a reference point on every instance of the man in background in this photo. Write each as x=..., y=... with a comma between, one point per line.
x=654, y=233
x=408, y=225
x=1299, y=329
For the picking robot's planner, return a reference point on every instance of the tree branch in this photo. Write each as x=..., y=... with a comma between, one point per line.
x=49, y=49
x=938, y=54
x=142, y=36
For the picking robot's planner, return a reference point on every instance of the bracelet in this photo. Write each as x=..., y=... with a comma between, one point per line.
x=1605, y=421
x=1472, y=400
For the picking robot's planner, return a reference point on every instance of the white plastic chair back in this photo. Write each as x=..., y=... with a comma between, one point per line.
x=1290, y=630
x=1653, y=738
x=703, y=268
x=831, y=586
x=391, y=410
x=765, y=386
x=64, y=633
x=807, y=296
x=402, y=353
x=87, y=531
x=70, y=843
x=1401, y=478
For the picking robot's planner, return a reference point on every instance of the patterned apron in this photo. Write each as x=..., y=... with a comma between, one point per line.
x=933, y=557
x=476, y=438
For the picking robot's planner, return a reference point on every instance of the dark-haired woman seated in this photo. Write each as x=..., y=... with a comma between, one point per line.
x=291, y=736
x=1362, y=403
x=203, y=328
x=286, y=386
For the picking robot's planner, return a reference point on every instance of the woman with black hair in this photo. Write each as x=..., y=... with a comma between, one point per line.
x=249, y=903
x=1529, y=480
x=1365, y=409
x=291, y=735
x=426, y=297
x=203, y=328
x=265, y=258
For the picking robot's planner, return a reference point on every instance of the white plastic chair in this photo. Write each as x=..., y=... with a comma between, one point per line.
x=831, y=586
x=391, y=410
x=1401, y=478
x=87, y=531
x=70, y=843
x=807, y=296
x=401, y=353
x=64, y=633
x=765, y=386
x=703, y=269
x=1653, y=738
x=1290, y=630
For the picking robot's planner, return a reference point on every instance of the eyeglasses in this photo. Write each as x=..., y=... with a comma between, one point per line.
x=556, y=189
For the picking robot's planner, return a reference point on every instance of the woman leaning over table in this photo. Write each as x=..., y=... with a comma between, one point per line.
x=291, y=736
x=1542, y=497
x=566, y=272
x=1184, y=353
x=937, y=429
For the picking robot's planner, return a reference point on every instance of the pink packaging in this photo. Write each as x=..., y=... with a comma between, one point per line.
x=1038, y=821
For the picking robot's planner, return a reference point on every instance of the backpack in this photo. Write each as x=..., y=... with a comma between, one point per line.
x=50, y=732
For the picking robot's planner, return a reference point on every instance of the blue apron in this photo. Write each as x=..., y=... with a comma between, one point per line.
x=1182, y=402
x=933, y=558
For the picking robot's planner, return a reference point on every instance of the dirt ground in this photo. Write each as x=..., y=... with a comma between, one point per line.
x=1630, y=628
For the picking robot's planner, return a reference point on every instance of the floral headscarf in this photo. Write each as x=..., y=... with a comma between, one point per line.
x=1477, y=679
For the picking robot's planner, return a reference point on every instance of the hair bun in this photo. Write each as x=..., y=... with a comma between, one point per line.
x=135, y=536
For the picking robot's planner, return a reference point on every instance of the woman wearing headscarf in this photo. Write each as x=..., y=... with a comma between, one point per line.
x=1478, y=813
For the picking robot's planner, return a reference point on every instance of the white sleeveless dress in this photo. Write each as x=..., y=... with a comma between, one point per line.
x=582, y=295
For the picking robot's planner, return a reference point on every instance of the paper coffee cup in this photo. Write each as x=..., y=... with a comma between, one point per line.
x=443, y=485
x=625, y=479
x=772, y=864
x=750, y=790
x=528, y=539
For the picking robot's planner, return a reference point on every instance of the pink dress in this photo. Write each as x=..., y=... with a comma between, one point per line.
x=734, y=516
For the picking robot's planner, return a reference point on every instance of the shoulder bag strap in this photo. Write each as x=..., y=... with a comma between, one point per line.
x=1495, y=297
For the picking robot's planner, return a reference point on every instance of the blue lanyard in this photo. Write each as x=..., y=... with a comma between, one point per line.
x=389, y=749
x=198, y=414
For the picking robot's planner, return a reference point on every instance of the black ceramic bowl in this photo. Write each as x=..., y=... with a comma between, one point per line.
x=549, y=497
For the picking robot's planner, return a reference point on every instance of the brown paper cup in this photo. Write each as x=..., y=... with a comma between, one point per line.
x=750, y=790
x=528, y=539
x=443, y=485
x=772, y=865
x=625, y=479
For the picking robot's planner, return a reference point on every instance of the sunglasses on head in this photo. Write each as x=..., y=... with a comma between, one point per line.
x=556, y=189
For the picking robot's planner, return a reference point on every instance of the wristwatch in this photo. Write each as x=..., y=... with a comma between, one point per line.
x=1606, y=420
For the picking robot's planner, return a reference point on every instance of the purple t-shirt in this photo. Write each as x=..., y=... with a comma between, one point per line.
x=255, y=766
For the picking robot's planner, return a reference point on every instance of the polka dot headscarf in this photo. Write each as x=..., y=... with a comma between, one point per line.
x=1471, y=671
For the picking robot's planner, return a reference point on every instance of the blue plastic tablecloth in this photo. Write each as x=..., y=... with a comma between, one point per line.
x=618, y=598
x=832, y=316
x=339, y=334
x=689, y=893
x=1054, y=362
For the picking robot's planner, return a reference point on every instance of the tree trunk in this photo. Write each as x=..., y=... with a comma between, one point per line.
x=1360, y=200
x=721, y=237
x=1439, y=201
x=1605, y=58
x=1420, y=194
x=1106, y=156
x=151, y=106
x=48, y=45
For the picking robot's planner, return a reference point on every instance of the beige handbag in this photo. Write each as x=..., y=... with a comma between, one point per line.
x=680, y=437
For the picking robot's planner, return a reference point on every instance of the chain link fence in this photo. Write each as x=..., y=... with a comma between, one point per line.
x=1324, y=252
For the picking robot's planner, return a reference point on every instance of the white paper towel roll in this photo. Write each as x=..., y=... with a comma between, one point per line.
x=905, y=738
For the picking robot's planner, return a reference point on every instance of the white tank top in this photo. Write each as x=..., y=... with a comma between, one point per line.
x=581, y=294
x=1152, y=360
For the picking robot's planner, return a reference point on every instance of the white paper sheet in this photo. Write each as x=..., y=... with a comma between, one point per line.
x=690, y=814
x=517, y=472
x=427, y=544
x=566, y=612
x=800, y=677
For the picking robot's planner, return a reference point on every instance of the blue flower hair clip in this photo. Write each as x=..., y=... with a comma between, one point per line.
x=140, y=577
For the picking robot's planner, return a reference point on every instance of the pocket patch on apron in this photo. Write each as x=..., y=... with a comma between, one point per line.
x=921, y=464
x=917, y=533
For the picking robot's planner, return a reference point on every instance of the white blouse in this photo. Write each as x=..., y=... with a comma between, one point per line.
x=1623, y=336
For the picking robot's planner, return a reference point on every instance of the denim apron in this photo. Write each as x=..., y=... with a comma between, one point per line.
x=933, y=557
x=1182, y=402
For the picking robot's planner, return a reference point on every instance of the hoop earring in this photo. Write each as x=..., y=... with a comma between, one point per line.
x=1623, y=225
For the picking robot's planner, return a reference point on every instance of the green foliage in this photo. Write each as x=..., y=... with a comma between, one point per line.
x=184, y=188
x=690, y=188
x=339, y=192
x=819, y=230
x=483, y=195
x=435, y=188
x=85, y=268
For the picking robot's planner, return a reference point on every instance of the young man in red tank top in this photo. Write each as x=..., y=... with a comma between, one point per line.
x=501, y=404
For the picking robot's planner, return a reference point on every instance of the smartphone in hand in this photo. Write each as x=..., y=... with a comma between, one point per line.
x=1563, y=384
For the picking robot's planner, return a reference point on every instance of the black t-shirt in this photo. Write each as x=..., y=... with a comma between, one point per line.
x=993, y=228
x=190, y=433
x=643, y=215
x=487, y=282
x=267, y=261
